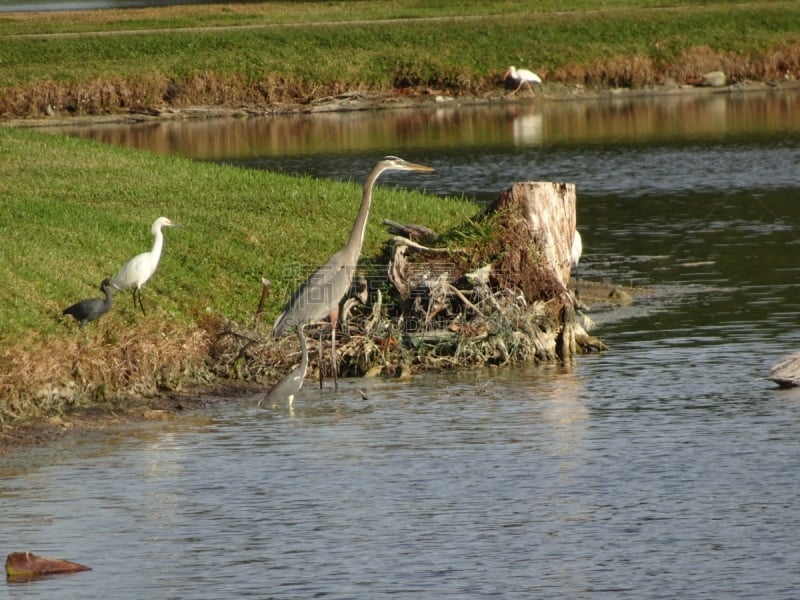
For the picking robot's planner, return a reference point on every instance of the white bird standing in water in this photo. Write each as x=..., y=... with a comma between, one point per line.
x=522, y=77
x=290, y=384
x=141, y=267
x=577, y=250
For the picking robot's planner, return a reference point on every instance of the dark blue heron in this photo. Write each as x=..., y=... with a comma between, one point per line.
x=93, y=308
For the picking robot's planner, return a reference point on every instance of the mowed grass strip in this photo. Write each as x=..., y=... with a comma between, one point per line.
x=458, y=55
x=74, y=211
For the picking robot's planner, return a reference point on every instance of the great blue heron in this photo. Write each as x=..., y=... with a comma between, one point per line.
x=141, y=267
x=522, y=77
x=319, y=296
x=290, y=384
x=93, y=308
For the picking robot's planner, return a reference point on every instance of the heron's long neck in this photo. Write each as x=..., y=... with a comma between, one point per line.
x=303, y=349
x=109, y=295
x=356, y=239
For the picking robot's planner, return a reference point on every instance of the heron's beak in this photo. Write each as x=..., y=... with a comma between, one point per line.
x=115, y=286
x=417, y=167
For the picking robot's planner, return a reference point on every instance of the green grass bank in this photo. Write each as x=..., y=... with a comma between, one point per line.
x=267, y=53
x=74, y=211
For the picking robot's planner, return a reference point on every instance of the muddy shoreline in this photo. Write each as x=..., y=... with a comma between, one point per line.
x=119, y=412
x=364, y=101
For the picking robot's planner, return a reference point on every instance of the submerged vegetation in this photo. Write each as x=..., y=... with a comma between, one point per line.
x=264, y=54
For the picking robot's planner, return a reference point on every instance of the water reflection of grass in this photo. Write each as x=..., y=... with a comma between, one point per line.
x=627, y=44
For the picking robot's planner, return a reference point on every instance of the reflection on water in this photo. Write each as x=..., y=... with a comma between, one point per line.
x=524, y=482
x=719, y=142
x=663, y=468
x=614, y=121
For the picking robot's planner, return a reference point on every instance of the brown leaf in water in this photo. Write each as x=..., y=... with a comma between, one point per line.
x=26, y=564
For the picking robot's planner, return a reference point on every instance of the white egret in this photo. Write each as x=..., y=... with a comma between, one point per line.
x=135, y=273
x=577, y=250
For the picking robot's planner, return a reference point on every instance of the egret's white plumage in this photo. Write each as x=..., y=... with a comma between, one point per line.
x=522, y=77
x=135, y=273
x=577, y=248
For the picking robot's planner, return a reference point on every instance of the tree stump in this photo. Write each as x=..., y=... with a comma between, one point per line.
x=500, y=297
x=537, y=257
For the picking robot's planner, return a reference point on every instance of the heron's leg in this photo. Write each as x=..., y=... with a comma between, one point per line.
x=334, y=362
x=319, y=364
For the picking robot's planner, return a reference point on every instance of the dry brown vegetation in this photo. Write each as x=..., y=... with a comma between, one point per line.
x=637, y=72
x=46, y=377
x=203, y=88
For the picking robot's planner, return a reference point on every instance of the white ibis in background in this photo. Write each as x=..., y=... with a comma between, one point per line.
x=522, y=77
x=135, y=273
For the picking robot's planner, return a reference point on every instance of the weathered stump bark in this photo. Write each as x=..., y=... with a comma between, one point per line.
x=538, y=249
x=525, y=247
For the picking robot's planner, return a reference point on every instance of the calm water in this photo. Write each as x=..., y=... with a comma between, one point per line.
x=664, y=468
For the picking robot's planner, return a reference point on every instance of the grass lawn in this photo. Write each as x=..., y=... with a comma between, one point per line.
x=261, y=53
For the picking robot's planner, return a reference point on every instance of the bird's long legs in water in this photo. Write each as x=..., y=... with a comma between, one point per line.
x=319, y=361
x=334, y=362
